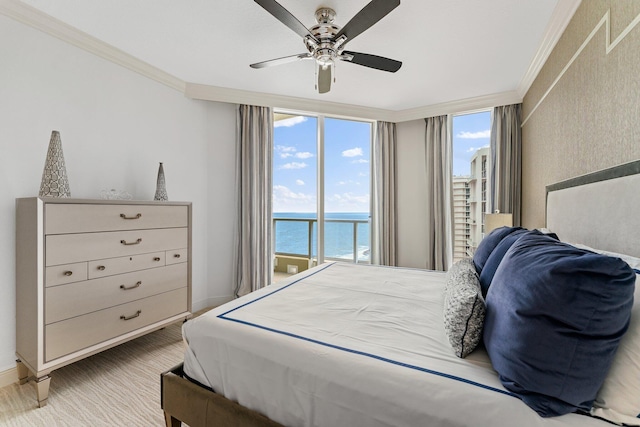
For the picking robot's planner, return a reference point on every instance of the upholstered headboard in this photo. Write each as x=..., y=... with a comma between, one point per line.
x=600, y=209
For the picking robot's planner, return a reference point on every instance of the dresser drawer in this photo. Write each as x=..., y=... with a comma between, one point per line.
x=91, y=274
x=69, y=273
x=80, y=332
x=175, y=256
x=125, y=264
x=75, y=299
x=83, y=218
x=70, y=248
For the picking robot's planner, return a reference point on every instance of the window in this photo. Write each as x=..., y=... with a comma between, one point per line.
x=471, y=166
x=321, y=187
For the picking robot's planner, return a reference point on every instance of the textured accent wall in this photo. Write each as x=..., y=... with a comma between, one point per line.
x=582, y=112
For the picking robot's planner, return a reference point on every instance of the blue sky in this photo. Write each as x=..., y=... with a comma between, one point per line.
x=347, y=165
x=347, y=175
x=294, y=165
x=470, y=133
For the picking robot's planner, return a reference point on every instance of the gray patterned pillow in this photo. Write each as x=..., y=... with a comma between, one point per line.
x=464, y=307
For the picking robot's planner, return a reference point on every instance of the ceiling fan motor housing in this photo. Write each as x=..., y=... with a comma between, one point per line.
x=325, y=52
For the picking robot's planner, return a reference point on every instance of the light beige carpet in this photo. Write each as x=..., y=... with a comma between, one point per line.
x=118, y=387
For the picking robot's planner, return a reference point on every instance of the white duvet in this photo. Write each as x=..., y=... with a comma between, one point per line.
x=351, y=345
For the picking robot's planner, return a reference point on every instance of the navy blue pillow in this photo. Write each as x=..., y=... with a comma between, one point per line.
x=493, y=261
x=555, y=316
x=488, y=244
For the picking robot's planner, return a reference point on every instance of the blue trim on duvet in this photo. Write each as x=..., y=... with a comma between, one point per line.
x=221, y=316
x=350, y=350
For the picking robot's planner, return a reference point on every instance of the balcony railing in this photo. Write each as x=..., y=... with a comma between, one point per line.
x=310, y=230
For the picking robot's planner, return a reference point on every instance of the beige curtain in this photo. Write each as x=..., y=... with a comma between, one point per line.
x=439, y=185
x=254, y=150
x=383, y=211
x=506, y=160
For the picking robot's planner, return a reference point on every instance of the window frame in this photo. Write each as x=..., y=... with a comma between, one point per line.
x=320, y=163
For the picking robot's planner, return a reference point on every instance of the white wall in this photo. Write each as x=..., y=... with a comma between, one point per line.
x=411, y=197
x=115, y=127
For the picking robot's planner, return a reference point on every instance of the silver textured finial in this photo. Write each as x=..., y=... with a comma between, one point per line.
x=54, y=176
x=161, y=187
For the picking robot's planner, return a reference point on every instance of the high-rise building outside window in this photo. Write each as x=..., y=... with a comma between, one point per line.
x=471, y=166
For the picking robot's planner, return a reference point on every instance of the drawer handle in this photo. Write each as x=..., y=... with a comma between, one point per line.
x=126, y=288
x=101, y=267
x=133, y=316
x=176, y=255
x=124, y=216
x=156, y=258
x=68, y=273
x=124, y=242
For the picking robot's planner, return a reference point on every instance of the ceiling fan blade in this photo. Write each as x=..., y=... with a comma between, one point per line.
x=283, y=60
x=324, y=79
x=372, y=61
x=284, y=16
x=369, y=15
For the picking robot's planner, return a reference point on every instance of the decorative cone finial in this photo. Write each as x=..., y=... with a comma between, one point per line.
x=54, y=176
x=161, y=187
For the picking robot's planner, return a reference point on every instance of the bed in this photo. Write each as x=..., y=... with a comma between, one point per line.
x=354, y=345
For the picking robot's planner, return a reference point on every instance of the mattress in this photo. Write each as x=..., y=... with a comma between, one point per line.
x=351, y=345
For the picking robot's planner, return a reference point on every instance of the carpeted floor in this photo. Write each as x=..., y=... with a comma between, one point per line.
x=118, y=387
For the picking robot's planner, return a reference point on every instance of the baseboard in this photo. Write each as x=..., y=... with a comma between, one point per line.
x=209, y=303
x=8, y=377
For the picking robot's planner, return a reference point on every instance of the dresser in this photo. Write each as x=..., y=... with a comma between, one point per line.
x=92, y=274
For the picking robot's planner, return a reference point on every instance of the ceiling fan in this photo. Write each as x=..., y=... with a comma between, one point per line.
x=325, y=41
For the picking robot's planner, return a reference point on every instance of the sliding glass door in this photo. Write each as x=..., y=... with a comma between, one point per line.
x=347, y=153
x=321, y=175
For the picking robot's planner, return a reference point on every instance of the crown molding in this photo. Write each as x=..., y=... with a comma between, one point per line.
x=458, y=106
x=237, y=96
x=562, y=15
x=33, y=17
x=220, y=94
x=41, y=21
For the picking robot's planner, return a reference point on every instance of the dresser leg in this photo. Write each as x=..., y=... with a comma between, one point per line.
x=23, y=372
x=42, y=389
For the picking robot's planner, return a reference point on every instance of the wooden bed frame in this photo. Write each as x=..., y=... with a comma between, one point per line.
x=575, y=211
x=185, y=401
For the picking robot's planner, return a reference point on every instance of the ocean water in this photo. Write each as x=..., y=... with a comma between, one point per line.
x=292, y=236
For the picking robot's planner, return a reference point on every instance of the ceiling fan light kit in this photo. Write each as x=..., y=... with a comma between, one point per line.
x=325, y=41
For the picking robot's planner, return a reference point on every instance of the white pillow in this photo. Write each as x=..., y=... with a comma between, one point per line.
x=619, y=397
x=632, y=261
x=545, y=230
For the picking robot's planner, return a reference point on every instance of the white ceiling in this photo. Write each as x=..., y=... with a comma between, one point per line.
x=451, y=50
